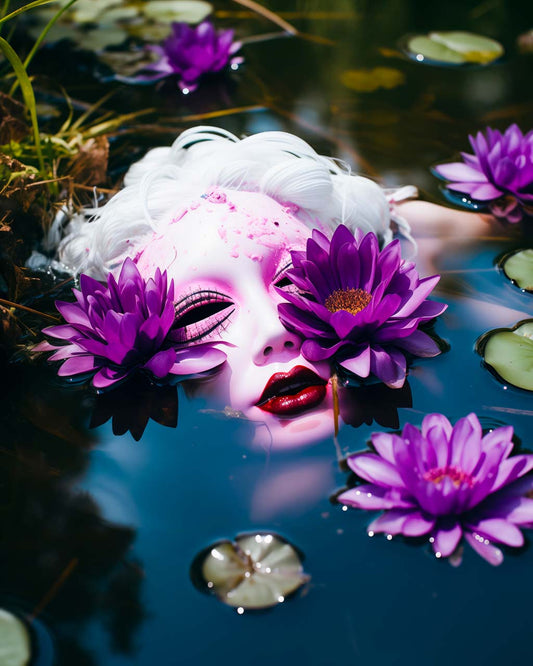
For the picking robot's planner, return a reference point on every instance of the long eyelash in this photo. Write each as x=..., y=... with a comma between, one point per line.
x=200, y=296
x=281, y=271
x=202, y=328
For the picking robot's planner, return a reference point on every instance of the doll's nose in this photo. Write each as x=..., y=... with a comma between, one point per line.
x=276, y=344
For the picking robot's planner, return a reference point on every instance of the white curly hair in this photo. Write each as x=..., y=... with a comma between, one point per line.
x=278, y=164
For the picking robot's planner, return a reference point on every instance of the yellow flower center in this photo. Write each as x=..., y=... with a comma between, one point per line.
x=351, y=300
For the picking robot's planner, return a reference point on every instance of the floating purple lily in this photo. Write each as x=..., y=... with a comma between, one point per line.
x=446, y=483
x=499, y=173
x=127, y=326
x=359, y=306
x=190, y=52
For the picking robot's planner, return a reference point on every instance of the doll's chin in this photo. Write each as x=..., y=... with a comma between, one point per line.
x=288, y=433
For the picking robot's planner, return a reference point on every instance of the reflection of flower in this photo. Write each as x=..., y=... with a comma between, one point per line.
x=131, y=407
x=500, y=172
x=446, y=482
x=115, y=330
x=361, y=306
x=189, y=52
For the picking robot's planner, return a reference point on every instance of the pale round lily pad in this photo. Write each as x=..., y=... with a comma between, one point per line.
x=15, y=642
x=454, y=48
x=518, y=267
x=189, y=11
x=254, y=571
x=509, y=352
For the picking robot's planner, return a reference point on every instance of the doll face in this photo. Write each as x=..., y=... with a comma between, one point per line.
x=226, y=252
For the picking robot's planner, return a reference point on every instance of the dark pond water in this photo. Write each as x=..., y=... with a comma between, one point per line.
x=99, y=531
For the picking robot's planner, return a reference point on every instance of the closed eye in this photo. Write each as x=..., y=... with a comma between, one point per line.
x=199, y=314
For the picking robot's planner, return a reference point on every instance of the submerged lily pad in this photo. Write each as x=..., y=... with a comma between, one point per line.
x=368, y=80
x=14, y=641
x=254, y=571
x=510, y=353
x=98, y=24
x=518, y=267
x=454, y=48
x=189, y=11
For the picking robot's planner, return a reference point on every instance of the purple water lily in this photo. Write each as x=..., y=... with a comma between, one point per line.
x=499, y=173
x=447, y=483
x=190, y=52
x=127, y=326
x=359, y=306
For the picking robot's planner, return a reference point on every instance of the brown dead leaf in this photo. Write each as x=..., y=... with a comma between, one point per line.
x=89, y=166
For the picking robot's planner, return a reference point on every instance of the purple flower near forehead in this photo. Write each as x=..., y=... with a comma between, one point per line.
x=499, y=173
x=359, y=306
x=190, y=52
x=446, y=483
x=112, y=331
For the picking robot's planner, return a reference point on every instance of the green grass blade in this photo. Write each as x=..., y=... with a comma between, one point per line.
x=21, y=10
x=27, y=93
x=40, y=39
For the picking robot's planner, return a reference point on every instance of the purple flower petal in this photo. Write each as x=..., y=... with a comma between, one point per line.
x=359, y=364
x=197, y=359
x=161, y=364
x=76, y=365
x=483, y=547
x=373, y=468
x=459, y=172
x=498, y=529
x=374, y=498
x=446, y=538
x=390, y=522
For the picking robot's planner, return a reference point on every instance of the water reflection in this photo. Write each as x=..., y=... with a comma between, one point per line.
x=59, y=559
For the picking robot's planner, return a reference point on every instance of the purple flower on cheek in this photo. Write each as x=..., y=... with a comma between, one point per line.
x=446, y=483
x=189, y=52
x=358, y=305
x=500, y=172
x=127, y=326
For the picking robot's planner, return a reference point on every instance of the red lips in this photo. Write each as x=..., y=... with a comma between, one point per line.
x=290, y=393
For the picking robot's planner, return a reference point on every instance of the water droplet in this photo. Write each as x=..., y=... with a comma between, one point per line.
x=438, y=555
x=281, y=599
x=240, y=610
x=345, y=508
x=420, y=57
x=389, y=537
x=185, y=91
x=370, y=533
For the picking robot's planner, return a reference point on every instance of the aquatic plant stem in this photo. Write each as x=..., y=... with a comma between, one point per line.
x=18, y=306
x=27, y=93
x=271, y=16
x=52, y=592
x=335, y=392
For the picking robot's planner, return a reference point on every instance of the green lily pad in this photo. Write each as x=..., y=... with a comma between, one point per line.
x=188, y=11
x=14, y=641
x=255, y=571
x=510, y=353
x=518, y=267
x=454, y=48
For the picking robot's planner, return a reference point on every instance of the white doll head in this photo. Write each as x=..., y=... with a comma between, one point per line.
x=221, y=216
